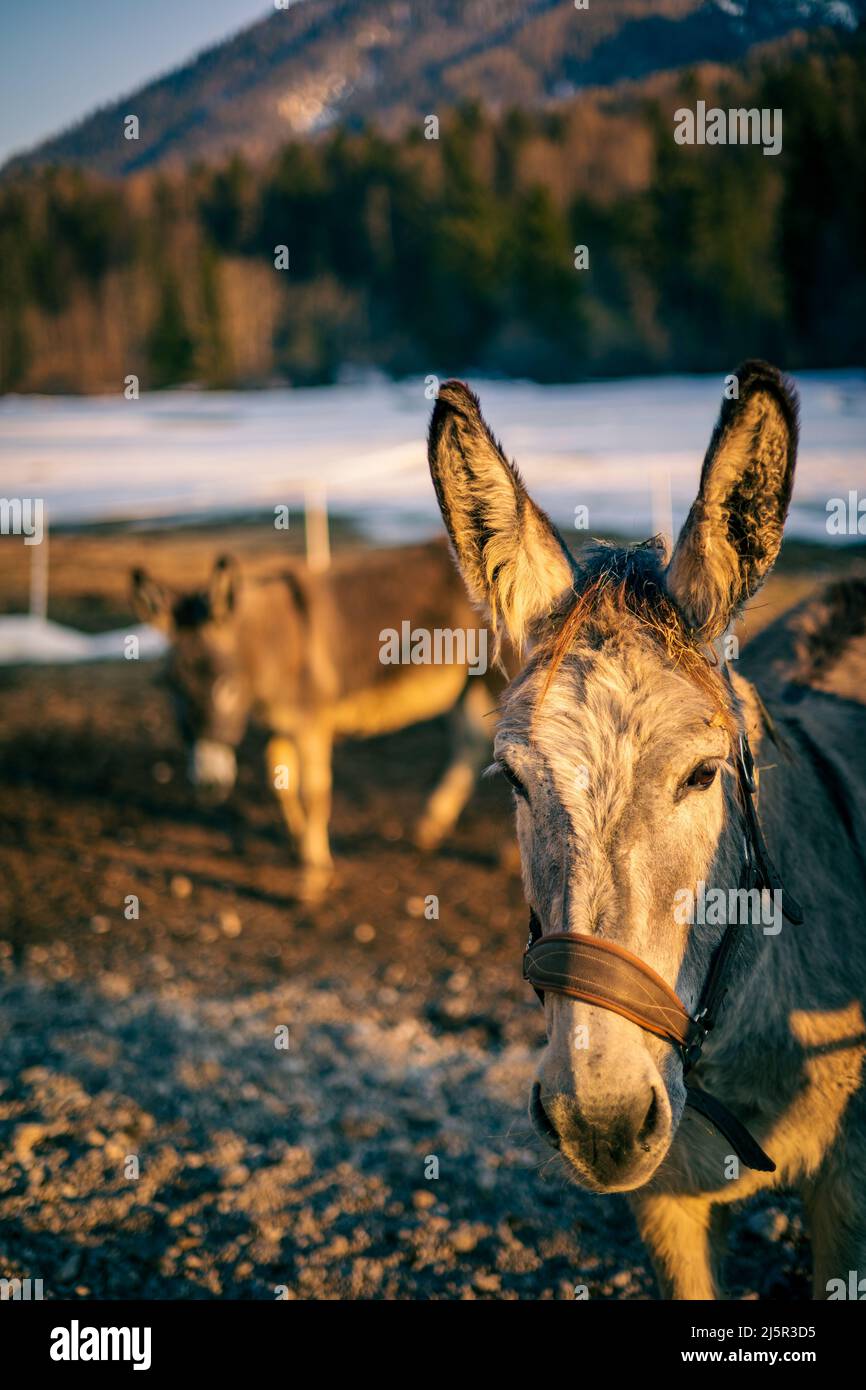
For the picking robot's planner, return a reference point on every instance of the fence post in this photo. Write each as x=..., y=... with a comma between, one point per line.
x=662, y=510
x=39, y=572
x=316, y=528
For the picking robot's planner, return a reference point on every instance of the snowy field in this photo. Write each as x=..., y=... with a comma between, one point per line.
x=617, y=448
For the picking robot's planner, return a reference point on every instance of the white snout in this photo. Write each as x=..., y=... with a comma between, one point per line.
x=212, y=765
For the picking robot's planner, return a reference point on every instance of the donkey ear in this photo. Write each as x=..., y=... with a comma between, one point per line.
x=732, y=534
x=151, y=602
x=223, y=588
x=514, y=562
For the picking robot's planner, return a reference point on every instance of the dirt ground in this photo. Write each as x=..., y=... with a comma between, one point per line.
x=154, y=1142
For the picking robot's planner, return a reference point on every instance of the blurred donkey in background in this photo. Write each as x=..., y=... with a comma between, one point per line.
x=372, y=645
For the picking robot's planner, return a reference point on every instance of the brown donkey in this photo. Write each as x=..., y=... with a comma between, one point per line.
x=646, y=848
x=376, y=643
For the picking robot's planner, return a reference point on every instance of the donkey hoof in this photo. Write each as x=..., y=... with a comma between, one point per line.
x=314, y=883
x=428, y=834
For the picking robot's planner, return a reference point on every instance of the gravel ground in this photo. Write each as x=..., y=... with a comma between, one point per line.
x=155, y=1142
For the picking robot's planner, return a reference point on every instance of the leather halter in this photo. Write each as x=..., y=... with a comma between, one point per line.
x=600, y=972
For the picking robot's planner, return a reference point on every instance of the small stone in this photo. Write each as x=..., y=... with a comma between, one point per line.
x=487, y=1283
x=115, y=986
x=71, y=1267
x=423, y=1199
x=364, y=932
x=463, y=1239
x=162, y=773
x=100, y=924
x=25, y=1139
x=181, y=886
x=230, y=922
x=769, y=1225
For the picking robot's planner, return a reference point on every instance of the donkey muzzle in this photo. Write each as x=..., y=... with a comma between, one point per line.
x=602, y=973
x=212, y=768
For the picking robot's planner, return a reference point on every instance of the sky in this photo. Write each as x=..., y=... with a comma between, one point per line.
x=61, y=58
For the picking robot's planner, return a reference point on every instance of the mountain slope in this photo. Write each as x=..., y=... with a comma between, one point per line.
x=393, y=61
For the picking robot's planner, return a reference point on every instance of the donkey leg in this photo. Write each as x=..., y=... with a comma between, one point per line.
x=283, y=765
x=837, y=1223
x=470, y=743
x=315, y=746
x=684, y=1242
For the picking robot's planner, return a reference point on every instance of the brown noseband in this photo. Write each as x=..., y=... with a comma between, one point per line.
x=600, y=972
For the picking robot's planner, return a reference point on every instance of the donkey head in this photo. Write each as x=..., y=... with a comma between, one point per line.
x=205, y=672
x=616, y=738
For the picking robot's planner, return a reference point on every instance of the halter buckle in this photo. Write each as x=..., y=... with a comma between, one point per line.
x=693, y=1046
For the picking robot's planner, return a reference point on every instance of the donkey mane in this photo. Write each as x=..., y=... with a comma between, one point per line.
x=614, y=584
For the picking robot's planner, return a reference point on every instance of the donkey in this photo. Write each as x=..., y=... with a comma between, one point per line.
x=311, y=657
x=621, y=738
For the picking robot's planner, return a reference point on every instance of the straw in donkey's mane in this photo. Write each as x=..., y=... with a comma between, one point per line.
x=613, y=583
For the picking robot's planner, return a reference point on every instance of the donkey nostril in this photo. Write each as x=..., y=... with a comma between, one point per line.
x=540, y=1118
x=650, y=1119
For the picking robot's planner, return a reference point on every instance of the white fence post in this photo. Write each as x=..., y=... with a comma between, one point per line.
x=316, y=528
x=662, y=510
x=39, y=572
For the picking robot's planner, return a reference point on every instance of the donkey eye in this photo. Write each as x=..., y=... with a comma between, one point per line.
x=512, y=778
x=703, y=776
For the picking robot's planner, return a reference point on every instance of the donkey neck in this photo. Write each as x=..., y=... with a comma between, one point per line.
x=764, y=977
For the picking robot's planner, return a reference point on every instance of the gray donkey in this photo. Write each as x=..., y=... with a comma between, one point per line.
x=376, y=643
x=625, y=738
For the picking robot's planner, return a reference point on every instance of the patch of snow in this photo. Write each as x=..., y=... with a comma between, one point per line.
x=606, y=445
x=26, y=640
